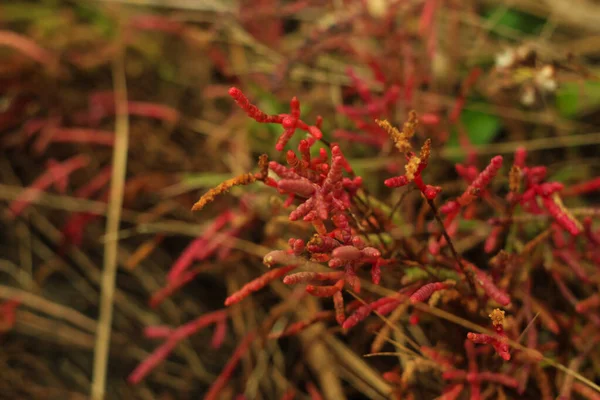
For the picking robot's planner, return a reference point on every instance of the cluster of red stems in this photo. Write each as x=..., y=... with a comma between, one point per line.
x=320, y=194
x=323, y=190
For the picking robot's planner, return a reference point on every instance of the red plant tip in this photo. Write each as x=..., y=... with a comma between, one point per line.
x=479, y=338
x=489, y=287
x=315, y=132
x=358, y=242
x=257, y=284
x=371, y=252
x=347, y=253
x=497, y=162
x=520, y=155
x=275, y=257
x=235, y=93
x=396, y=181
x=505, y=355
x=431, y=192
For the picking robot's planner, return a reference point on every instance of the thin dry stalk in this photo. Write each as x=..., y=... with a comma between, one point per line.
x=119, y=168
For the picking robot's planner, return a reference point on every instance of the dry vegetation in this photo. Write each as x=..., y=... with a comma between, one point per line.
x=116, y=116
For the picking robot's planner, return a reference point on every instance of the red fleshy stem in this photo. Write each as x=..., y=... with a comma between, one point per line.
x=253, y=112
x=384, y=306
x=8, y=314
x=219, y=333
x=308, y=276
x=397, y=181
x=223, y=378
x=96, y=184
x=325, y=291
x=27, y=47
x=299, y=326
x=172, y=286
x=198, y=249
x=591, y=302
x=502, y=379
x=313, y=392
x=338, y=304
x=452, y=392
x=583, y=187
x=425, y=291
x=563, y=219
x=520, y=155
x=481, y=181
x=178, y=334
x=257, y=284
x=301, y=187
x=572, y=261
x=460, y=102
x=499, y=343
x=34, y=190
x=488, y=286
x=158, y=331
x=150, y=22
x=436, y=357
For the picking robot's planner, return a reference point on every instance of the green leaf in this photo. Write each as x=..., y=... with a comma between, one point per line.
x=515, y=20
x=574, y=98
x=481, y=127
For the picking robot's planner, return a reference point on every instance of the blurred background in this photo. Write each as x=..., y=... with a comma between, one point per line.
x=115, y=117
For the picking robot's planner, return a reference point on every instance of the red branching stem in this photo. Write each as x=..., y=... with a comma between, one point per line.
x=158, y=331
x=461, y=100
x=561, y=216
x=452, y=392
x=473, y=370
x=102, y=105
x=313, y=392
x=221, y=381
x=338, y=305
x=325, y=291
x=425, y=291
x=301, y=187
x=384, y=305
x=488, y=286
x=290, y=394
x=99, y=181
x=219, y=334
x=480, y=338
x=8, y=314
x=81, y=135
x=307, y=277
x=591, y=302
x=592, y=236
x=198, y=249
x=481, y=181
x=257, y=284
x=55, y=172
x=572, y=261
x=437, y=357
x=27, y=47
x=299, y=326
x=586, y=391
x=253, y=112
x=583, y=188
x=177, y=335
x=149, y=22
